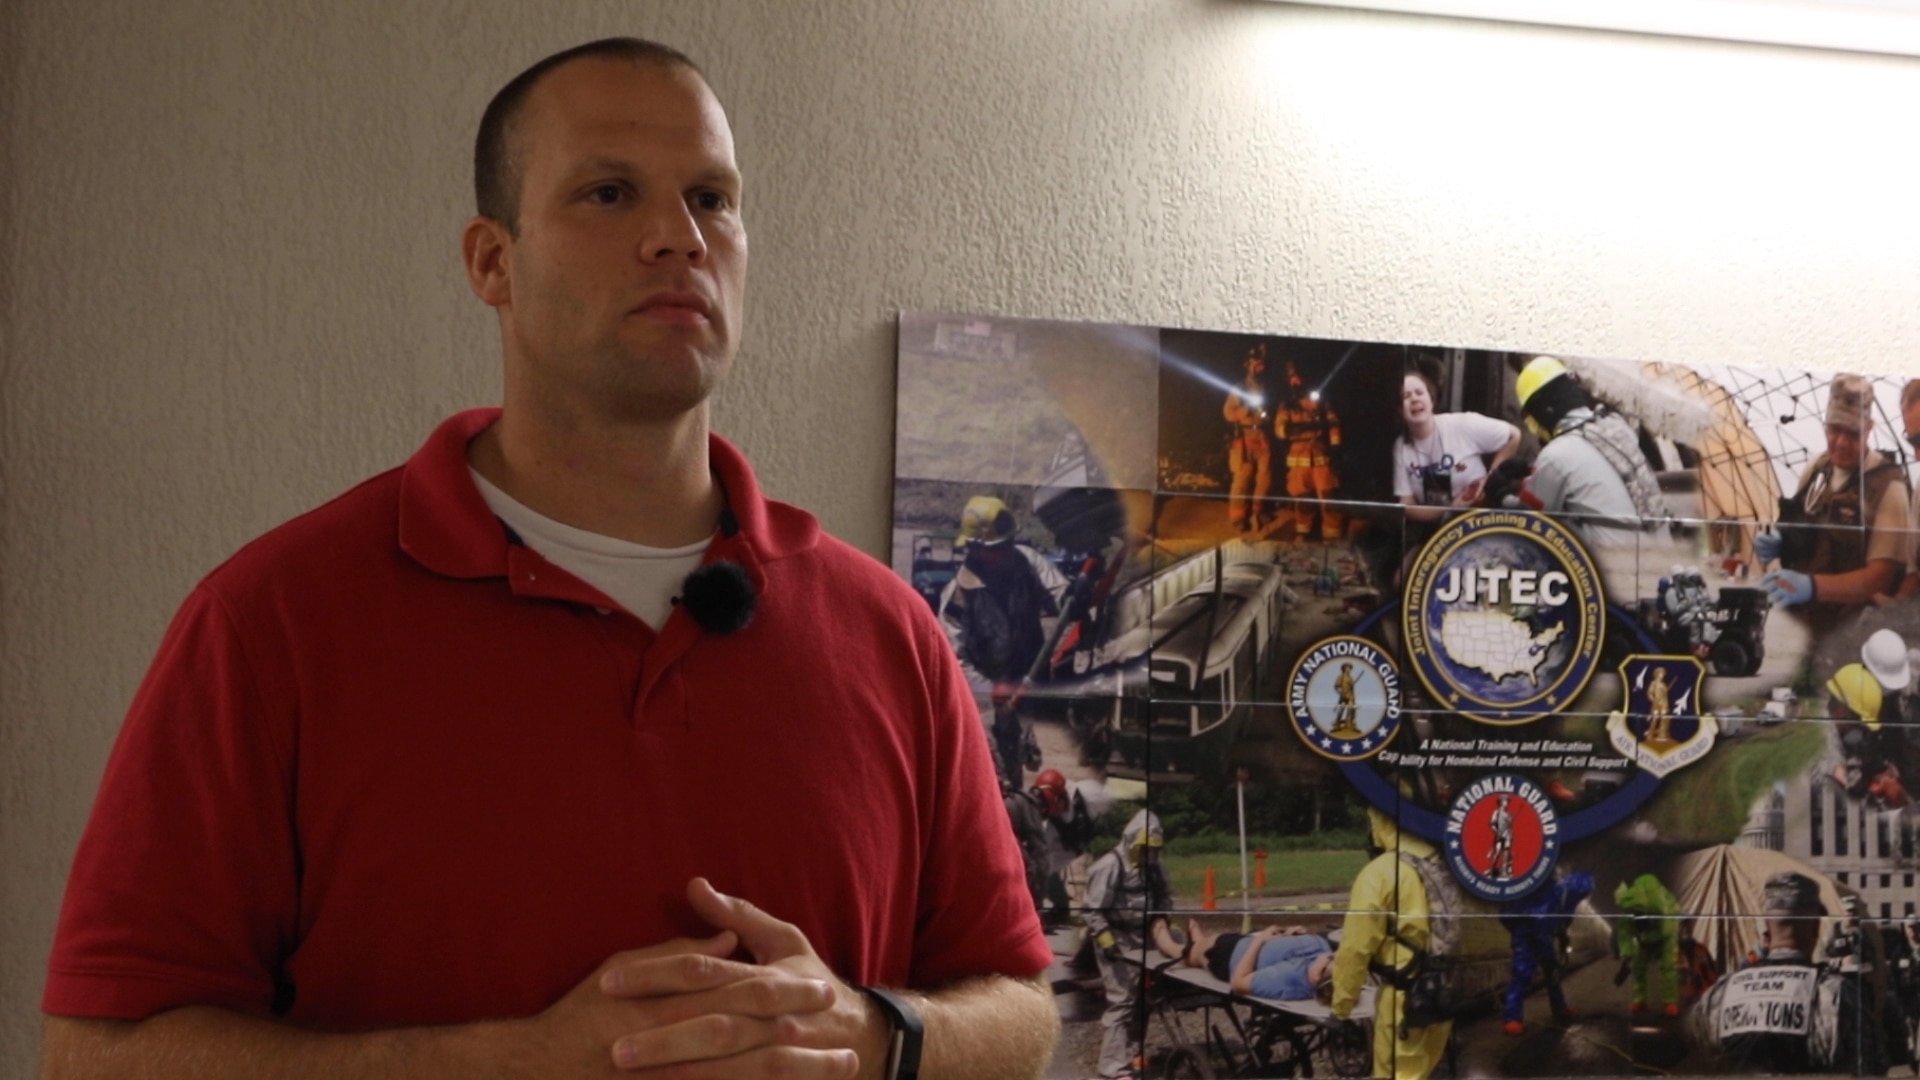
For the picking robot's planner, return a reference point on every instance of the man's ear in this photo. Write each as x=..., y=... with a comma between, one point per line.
x=485, y=246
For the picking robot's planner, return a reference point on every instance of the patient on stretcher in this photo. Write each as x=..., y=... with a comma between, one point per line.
x=1279, y=963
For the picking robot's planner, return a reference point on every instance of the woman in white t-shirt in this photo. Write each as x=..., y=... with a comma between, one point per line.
x=1439, y=459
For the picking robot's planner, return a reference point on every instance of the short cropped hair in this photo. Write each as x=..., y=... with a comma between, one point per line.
x=496, y=164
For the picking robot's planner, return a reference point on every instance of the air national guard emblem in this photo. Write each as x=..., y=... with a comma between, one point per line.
x=1504, y=618
x=1502, y=837
x=1344, y=698
x=1660, y=727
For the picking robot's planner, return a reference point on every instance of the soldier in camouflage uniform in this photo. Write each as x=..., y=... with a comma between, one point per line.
x=1787, y=1014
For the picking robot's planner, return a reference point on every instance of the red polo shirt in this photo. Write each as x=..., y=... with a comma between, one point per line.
x=391, y=768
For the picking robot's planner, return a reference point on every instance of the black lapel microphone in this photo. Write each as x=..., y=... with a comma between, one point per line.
x=720, y=595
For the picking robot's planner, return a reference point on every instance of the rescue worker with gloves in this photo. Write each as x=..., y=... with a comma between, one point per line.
x=1128, y=896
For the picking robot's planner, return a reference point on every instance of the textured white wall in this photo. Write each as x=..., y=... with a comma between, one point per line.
x=229, y=283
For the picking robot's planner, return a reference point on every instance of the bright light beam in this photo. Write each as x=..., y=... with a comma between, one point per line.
x=1188, y=367
x=1328, y=381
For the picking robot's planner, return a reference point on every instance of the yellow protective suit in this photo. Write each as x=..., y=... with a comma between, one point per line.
x=1383, y=894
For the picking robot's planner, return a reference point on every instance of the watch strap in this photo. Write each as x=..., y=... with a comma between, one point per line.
x=903, y=1049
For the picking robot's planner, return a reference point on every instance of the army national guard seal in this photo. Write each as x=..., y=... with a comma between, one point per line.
x=1503, y=837
x=1344, y=698
x=1504, y=618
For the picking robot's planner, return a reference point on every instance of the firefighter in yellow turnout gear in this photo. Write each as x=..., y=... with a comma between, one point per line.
x=1249, y=456
x=1389, y=902
x=1311, y=431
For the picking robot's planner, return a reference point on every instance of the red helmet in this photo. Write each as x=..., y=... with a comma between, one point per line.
x=1053, y=790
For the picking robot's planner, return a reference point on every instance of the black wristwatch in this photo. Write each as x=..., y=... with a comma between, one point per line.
x=903, y=1050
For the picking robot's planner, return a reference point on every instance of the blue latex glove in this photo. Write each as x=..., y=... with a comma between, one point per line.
x=1788, y=587
x=1766, y=546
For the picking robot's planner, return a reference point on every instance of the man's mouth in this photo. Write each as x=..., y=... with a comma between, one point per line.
x=676, y=306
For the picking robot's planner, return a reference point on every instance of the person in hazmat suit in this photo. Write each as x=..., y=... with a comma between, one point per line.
x=1648, y=941
x=1389, y=931
x=1128, y=896
x=1539, y=924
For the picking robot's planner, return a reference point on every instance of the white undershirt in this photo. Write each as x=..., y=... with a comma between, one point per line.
x=644, y=580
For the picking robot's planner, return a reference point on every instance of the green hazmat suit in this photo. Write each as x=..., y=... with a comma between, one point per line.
x=1385, y=896
x=1649, y=940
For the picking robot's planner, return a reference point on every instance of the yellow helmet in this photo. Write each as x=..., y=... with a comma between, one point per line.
x=1539, y=371
x=1856, y=688
x=985, y=520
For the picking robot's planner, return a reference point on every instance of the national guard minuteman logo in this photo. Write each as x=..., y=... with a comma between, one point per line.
x=1344, y=698
x=1504, y=617
x=1660, y=727
x=1503, y=837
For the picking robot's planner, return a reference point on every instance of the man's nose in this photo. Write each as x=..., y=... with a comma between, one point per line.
x=671, y=231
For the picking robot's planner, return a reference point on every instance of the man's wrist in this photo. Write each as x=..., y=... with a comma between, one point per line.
x=901, y=1031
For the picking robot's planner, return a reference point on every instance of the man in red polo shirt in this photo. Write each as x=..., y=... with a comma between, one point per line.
x=559, y=750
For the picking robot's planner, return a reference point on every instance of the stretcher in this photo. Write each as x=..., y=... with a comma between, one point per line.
x=1211, y=1031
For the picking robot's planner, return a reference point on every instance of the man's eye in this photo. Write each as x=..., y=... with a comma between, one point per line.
x=607, y=194
x=711, y=200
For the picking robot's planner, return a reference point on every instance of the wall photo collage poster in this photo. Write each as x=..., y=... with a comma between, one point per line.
x=1386, y=709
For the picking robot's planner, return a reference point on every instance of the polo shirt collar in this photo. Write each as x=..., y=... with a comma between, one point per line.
x=448, y=528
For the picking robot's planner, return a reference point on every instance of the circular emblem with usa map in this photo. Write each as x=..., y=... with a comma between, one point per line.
x=1504, y=616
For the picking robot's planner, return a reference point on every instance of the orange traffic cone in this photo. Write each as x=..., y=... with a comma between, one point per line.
x=1207, y=894
x=1260, y=869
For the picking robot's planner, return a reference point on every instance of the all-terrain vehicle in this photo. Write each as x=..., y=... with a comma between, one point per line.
x=1728, y=631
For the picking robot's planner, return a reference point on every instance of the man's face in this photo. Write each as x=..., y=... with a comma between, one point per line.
x=1844, y=443
x=621, y=297
x=1910, y=419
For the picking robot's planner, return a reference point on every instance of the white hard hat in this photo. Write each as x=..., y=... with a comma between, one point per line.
x=1885, y=654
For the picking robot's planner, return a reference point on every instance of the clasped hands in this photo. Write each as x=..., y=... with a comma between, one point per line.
x=684, y=1009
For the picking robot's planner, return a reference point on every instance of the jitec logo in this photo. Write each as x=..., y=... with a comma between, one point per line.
x=1504, y=617
x=1503, y=837
x=1483, y=585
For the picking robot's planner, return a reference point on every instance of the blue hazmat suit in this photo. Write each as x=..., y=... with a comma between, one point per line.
x=1536, y=923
